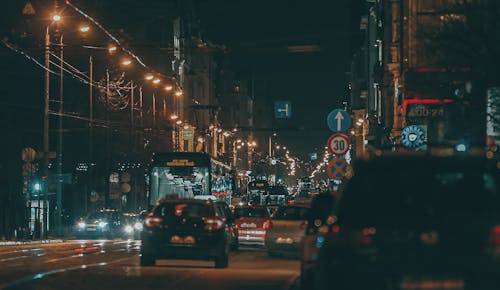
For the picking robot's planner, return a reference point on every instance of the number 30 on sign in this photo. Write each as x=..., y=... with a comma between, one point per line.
x=338, y=144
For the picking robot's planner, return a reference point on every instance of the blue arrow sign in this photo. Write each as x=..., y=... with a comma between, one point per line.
x=339, y=120
x=282, y=110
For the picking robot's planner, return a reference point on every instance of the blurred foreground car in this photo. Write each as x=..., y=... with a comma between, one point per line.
x=322, y=206
x=103, y=224
x=185, y=229
x=252, y=223
x=416, y=222
x=286, y=229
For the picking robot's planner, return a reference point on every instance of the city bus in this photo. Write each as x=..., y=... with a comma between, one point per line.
x=189, y=175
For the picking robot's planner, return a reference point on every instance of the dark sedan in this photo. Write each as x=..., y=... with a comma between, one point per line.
x=414, y=223
x=186, y=229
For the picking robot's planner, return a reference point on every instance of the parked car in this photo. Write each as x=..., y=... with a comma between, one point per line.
x=102, y=224
x=285, y=229
x=252, y=223
x=186, y=229
x=421, y=222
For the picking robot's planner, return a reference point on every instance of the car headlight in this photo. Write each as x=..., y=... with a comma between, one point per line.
x=128, y=229
x=138, y=226
x=81, y=225
x=102, y=224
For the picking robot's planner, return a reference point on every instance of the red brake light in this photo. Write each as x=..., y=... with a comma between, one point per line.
x=495, y=236
x=153, y=221
x=213, y=224
x=267, y=224
x=303, y=225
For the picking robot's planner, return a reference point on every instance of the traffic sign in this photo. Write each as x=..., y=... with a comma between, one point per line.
x=339, y=120
x=338, y=144
x=337, y=168
x=282, y=110
x=412, y=136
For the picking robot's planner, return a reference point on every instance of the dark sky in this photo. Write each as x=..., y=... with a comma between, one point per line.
x=257, y=32
x=315, y=82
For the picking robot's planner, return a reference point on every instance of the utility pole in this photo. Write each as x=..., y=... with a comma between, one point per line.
x=45, y=170
x=59, y=183
x=132, y=139
x=91, y=134
x=108, y=143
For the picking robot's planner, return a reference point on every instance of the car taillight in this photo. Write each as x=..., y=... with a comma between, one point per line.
x=153, y=221
x=495, y=236
x=303, y=225
x=213, y=223
x=355, y=237
x=267, y=224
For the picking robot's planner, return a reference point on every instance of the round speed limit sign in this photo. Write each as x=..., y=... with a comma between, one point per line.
x=338, y=144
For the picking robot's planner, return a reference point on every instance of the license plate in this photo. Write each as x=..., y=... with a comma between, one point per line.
x=251, y=225
x=91, y=229
x=431, y=283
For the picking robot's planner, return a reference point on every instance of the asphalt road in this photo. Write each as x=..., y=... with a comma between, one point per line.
x=114, y=264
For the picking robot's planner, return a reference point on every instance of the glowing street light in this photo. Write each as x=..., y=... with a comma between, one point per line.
x=149, y=77
x=168, y=88
x=126, y=62
x=174, y=117
x=178, y=122
x=112, y=49
x=178, y=93
x=156, y=81
x=56, y=17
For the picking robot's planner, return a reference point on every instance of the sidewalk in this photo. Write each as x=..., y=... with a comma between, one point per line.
x=30, y=242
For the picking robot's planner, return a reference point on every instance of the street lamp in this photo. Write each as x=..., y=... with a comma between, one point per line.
x=126, y=62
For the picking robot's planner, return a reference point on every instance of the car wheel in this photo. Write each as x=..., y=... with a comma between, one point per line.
x=222, y=261
x=147, y=260
x=235, y=245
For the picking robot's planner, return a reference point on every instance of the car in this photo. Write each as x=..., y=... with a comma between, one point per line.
x=252, y=223
x=230, y=221
x=285, y=230
x=132, y=225
x=104, y=223
x=275, y=195
x=322, y=206
x=185, y=229
x=414, y=222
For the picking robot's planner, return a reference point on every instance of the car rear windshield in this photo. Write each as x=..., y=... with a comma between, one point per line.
x=258, y=212
x=291, y=213
x=409, y=197
x=184, y=209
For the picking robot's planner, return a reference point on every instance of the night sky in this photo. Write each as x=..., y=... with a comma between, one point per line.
x=257, y=34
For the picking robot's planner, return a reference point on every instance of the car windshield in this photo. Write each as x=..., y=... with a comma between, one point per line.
x=258, y=212
x=99, y=216
x=184, y=209
x=292, y=213
x=417, y=197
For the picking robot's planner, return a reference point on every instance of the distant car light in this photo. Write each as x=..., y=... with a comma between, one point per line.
x=81, y=225
x=102, y=224
x=138, y=226
x=128, y=229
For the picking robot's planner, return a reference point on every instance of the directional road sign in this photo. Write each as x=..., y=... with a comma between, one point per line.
x=413, y=136
x=338, y=144
x=339, y=120
x=282, y=110
x=337, y=168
